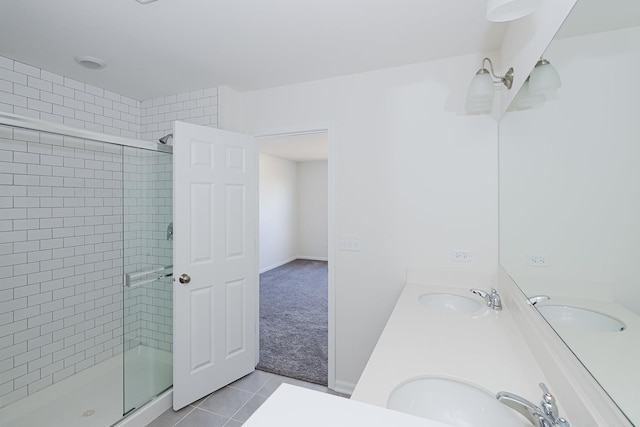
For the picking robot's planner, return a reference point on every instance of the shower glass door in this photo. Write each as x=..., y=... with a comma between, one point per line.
x=148, y=235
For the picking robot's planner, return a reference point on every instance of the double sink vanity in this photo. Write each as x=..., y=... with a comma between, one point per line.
x=445, y=353
x=446, y=357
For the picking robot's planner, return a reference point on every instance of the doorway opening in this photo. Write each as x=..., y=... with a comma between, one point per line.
x=294, y=256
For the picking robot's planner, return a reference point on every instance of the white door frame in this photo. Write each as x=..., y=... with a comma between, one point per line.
x=331, y=305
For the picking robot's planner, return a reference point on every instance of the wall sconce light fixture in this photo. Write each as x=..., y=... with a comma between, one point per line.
x=525, y=100
x=508, y=10
x=540, y=86
x=544, y=79
x=482, y=88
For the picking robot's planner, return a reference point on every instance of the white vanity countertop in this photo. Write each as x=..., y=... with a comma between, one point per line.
x=611, y=357
x=291, y=406
x=484, y=348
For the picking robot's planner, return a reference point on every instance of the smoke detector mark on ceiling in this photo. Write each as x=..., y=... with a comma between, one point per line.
x=90, y=62
x=145, y=1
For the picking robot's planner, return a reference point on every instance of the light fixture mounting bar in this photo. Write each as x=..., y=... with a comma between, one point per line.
x=507, y=79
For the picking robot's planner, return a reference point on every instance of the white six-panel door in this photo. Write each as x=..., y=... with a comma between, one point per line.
x=215, y=218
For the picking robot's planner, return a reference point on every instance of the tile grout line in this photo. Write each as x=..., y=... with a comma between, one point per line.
x=231, y=418
x=186, y=415
x=252, y=396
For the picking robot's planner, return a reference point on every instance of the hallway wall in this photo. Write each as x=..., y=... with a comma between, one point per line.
x=293, y=211
x=278, y=207
x=313, y=210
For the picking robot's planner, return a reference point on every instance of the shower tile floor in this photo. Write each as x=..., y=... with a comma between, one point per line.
x=232, y=405
x=94, y=397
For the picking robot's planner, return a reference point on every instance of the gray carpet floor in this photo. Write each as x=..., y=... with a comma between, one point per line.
x=293, y=321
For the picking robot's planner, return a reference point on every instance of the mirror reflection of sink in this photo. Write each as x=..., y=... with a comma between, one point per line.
x=580, y=318
x=452, y=402
x=450, y=303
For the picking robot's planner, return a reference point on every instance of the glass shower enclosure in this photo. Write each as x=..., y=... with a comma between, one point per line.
x=148, y=302
x=85, y=274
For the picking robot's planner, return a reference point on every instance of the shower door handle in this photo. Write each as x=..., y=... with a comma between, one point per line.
x=184, y=278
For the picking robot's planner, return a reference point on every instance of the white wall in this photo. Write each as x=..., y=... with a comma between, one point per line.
x=414, y=177
x=569, y=175
x=313, y=210
x=278, y=211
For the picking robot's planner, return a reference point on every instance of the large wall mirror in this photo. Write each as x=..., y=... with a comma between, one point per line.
x=570, y=195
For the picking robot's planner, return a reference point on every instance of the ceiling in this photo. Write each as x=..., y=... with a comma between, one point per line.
x=298, y=148
x=591, y=16
x=175, y=46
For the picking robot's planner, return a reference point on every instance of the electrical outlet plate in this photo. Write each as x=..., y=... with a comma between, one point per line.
x=538, y=261
x=461, y=255
x=350, y=243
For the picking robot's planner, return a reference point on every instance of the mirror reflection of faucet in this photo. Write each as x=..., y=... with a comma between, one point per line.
x=170, y=231
x=538, y=298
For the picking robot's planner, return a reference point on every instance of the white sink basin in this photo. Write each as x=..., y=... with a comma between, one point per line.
x=450, y=303
x=580, y=318
x=452, y=402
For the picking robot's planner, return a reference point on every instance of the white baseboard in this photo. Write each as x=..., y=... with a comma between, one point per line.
x=344, y=387
x=149, y=412
x=313, y=258
x=279, y=264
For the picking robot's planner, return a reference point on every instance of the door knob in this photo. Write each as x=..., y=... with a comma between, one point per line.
x=184, y=278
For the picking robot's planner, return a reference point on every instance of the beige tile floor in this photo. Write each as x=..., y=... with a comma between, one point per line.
x=232, y=405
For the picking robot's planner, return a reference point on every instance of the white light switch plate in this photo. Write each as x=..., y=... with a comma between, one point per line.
x=350, y=243
x=461, y=255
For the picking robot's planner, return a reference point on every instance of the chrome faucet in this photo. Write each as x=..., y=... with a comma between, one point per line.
x=538, y=298
x=493, y=299
x=545, y=415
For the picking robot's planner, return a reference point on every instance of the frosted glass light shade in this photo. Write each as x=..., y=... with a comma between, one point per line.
x=544, y=79
x=508, y=10
x=480, y=94
x=525, y=100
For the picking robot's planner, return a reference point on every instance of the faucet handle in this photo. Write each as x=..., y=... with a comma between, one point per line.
x=544, y=388
x=548, y=403
x=496, y=301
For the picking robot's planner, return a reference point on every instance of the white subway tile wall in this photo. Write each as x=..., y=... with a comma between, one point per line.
x=32, y=92
x=198, y=107
x=62, y=247
x=148, y=213
x=61, y=270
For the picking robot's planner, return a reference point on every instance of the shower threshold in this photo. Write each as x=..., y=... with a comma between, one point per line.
x=94, y=397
